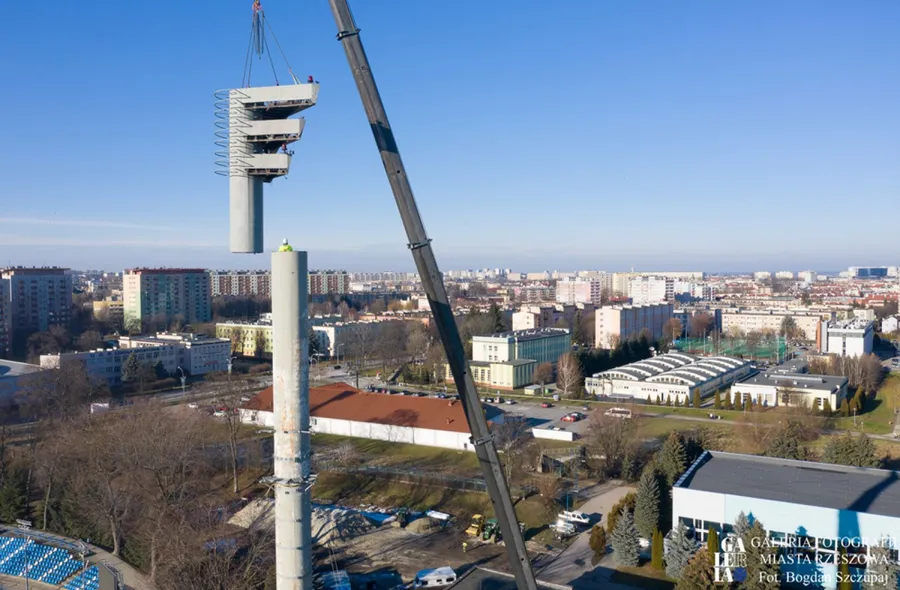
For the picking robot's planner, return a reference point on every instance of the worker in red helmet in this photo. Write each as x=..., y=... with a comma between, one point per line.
x=310, y=80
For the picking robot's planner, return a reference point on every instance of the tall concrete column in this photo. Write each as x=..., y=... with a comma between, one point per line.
x=290, y=369
x=246, y=214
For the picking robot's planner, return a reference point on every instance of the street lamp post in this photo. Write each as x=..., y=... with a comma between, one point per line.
x=337, y=351
x=184, y=380
x=28, y=542
x=313, y=359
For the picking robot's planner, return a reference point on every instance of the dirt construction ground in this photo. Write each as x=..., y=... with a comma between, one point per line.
x=393, y=553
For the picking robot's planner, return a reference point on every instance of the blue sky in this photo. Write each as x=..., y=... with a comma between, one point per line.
x=586, y=134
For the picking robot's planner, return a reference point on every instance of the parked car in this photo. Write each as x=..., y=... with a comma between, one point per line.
x=546, y=405
x=193, y=405
x=569, y=418
x=574, y=516
x=245, y=398
x=220, y=414
x=510, y=402
x=441, y=396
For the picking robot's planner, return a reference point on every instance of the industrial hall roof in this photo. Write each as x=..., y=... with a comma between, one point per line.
x=858, y=489
x=340, y=401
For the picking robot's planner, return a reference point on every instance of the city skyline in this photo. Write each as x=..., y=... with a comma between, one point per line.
x=714, y=136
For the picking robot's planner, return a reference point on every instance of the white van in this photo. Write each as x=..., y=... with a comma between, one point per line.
x=435, y=578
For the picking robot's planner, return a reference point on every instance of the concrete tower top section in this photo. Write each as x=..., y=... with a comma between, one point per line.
x=253, y=134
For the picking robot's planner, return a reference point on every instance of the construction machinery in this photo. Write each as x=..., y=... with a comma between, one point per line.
x=420, y=246
x=477, y=527
x=491, y=532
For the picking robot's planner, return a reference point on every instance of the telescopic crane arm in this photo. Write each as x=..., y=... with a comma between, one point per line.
x=420, y=246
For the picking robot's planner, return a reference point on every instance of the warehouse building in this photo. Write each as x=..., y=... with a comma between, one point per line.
x=776, y=388
x=675, y=374
x=342, y=410
x=810, y=510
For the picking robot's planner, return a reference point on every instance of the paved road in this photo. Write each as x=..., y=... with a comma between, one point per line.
x=573, y=566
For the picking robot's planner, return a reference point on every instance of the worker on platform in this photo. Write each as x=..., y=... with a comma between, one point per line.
x=285, y=247
x=310, y=81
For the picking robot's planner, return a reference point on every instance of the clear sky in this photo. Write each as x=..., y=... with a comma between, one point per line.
x=582, y=134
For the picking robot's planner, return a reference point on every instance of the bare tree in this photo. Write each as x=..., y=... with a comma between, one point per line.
x=259, y=345
x=90, y=340
x=362, y=345
x=228, y=399
x=673, y=329
x=569, y=375
x=753, y=340
x=390, y=343
x=417, y=342
x=236, y=336
x=543, y=374
x=610, y=439
x=511, y=436
x=699, y=324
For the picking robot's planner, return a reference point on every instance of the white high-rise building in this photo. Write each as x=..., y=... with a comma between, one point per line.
x=614, y=324
x=161, y=295
x=647, y=290
x=785, y=275
x=807, y=276
x=762, y=275
x=583, y=289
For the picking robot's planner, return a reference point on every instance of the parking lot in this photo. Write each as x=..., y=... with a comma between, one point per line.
x=545, y=417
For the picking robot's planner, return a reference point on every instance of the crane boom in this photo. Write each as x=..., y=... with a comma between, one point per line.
x=420, y=246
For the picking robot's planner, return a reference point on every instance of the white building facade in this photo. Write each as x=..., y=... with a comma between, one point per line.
x=676, y=375
x=809, y=510
x=854, y=337
x=613, y=324
x=106, y=365
x=545, y=345
x=770, y=320
x=791, y=389
x=650, y=290
x=196, y=354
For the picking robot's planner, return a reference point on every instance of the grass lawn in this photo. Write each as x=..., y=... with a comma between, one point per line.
x=421, y=457
x=880, y=414
x=661, y=427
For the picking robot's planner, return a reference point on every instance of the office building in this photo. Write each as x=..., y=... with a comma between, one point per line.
x=535, y=317
x=762, y=275
x=675, y=375
x=196, y=354
x=649, y=290
x=853, y=337
x=335, y=339
x=613, y=324
x=776, y=388
x=160, y=295
x=38, y=298
x=811, y=511
x=785, y=275
x=769, y=320
x=867, y=272
x=240, y=283
x=808, y=276
x=5, y=319
x=507, y=360
x=329, y=282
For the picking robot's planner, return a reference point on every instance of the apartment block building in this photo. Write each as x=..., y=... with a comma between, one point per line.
x=329, y=282
x=648, y=290
x=240, y=283
x=584, y=289
x=613, y=324
x=5, y=319
x=106, y=365
x=162, y=294
x=770, y=320
x=37, y=299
